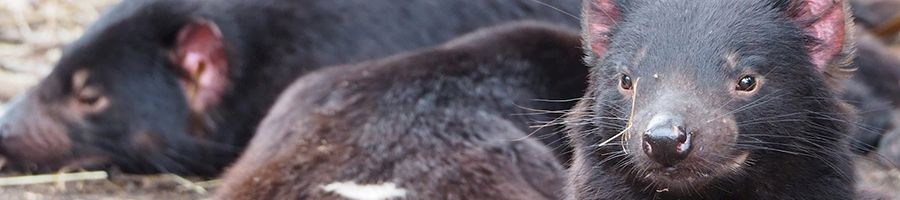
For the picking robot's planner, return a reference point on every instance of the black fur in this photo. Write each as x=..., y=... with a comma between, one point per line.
x=148, y=127
x=791, y=128
x=443, y=123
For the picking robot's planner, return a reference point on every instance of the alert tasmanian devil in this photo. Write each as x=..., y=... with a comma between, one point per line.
x=710, y=99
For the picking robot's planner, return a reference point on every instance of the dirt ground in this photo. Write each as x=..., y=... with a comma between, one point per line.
x=31, y=34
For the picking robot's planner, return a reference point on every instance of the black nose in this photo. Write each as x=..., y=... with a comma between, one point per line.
x=666, y=140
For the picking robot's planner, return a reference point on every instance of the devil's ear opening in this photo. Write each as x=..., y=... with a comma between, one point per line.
x=200, y=54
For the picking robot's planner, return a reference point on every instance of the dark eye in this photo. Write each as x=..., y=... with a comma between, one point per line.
x=89, y=96
x=746, y=83
x=90, y=100
x=625, y=82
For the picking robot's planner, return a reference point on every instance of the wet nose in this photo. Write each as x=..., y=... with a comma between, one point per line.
x=666, y=140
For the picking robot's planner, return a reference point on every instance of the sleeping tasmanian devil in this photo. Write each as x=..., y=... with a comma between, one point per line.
x=710, y=99
x=448, y=122
x=179, y=86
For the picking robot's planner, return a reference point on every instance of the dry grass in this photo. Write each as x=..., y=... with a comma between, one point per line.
x=117, y=186
x=31, y=34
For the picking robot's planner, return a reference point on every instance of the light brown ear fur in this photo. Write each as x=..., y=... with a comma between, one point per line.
x=200, y=52
x=840, y=68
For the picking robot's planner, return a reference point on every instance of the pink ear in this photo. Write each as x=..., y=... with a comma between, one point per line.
x=200, y=51
x=599, y=16
x=828, y=24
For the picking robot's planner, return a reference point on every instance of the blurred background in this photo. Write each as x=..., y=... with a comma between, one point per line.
x=33, y=31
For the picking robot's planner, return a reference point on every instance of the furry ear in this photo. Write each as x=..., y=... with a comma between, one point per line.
x=829, y=22
x=599, y=18
x=200, y=53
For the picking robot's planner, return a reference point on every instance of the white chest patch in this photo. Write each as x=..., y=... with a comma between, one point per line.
x=353, y=191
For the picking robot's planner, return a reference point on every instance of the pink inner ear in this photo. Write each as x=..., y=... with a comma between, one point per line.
x=600, y=16
x=828, y=28
x=200, y=52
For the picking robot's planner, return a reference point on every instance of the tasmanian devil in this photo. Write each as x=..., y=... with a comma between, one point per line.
x=179, y=86
x=449, y=122
x=709, y=99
